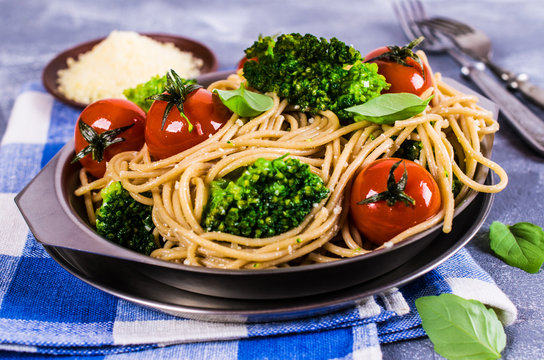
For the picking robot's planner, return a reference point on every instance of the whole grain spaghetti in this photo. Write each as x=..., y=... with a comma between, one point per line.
x=450, y=130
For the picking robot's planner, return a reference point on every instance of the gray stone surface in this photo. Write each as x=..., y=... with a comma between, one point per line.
x=32, y=32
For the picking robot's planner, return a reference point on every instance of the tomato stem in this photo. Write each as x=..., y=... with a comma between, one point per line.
x=395, y=190
x=189, y=125
x=399, y=54
x=98, y=142
x=176, y=94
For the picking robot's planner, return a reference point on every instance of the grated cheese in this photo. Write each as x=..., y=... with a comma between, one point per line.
x=123, y=60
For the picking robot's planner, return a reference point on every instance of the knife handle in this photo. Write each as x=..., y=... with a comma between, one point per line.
x=503, y=74
x=527, y=124
x=530, y=90
x=519, y=82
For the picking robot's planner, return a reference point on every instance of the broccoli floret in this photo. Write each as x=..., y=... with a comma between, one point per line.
x=409, y=149
x=267, y=199
x=456, y=185
x=313, y=73
x=140, y=94
x=125, y=221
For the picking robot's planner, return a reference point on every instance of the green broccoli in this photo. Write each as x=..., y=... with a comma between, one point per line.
x=156, y=85
x=409, y=149
x=313, y=73
x=456, y=185
x=125, y=221
x=267, y=199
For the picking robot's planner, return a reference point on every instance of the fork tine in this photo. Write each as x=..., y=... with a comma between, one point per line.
x=410, y=14
x=418, y=8
x=462, y=28
x=419, y=16
x=440, y=26
x=445, y=26
x=405, y=18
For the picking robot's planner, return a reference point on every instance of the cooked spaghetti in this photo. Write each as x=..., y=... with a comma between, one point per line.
x=450, y=129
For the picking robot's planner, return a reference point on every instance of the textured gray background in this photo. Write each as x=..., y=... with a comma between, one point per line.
x=32, y=32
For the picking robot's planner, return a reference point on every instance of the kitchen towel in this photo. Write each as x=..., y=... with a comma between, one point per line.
x=44, y=310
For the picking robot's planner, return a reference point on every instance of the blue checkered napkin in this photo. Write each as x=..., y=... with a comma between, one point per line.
x=46, y=311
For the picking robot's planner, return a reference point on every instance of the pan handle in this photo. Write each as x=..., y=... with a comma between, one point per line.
x=52, y=225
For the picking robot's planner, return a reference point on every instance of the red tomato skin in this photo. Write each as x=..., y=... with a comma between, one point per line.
x=379, y=222
x=407, y=79
x=108, y=114
x=203, y=109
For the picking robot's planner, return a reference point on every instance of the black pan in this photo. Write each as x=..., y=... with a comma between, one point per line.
x=57, y=218
x=122, y=278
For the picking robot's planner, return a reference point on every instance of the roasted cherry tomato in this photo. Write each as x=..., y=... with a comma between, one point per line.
x=402, y=68
x=382, y=206
x=243, y=61
x=106, y=128
x=182, y=117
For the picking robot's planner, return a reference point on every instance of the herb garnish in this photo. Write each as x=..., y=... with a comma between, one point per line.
x=388, y=108
x=520, y=245
x=244, y=102
x=460, y=328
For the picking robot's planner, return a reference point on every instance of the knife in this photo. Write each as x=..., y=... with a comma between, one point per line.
x=529, y=126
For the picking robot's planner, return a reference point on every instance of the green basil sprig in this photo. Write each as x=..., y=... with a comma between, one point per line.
x=520, y=245
x=460, y=328
x=388, y=108
x=244, y=102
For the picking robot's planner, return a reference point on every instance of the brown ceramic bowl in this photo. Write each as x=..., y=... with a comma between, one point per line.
x=50, y=72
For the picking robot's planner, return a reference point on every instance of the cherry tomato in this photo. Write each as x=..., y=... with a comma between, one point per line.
x=410, y=77
x=103, y=117
x=206, y=114
x=380, y=221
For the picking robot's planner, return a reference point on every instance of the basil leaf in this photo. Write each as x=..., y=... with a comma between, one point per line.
x=245, y=103
x=520, y=245
x=460, y=328
x=388, y=108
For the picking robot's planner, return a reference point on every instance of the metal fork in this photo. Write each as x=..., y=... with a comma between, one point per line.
x=478, y=45
x=411, y=16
